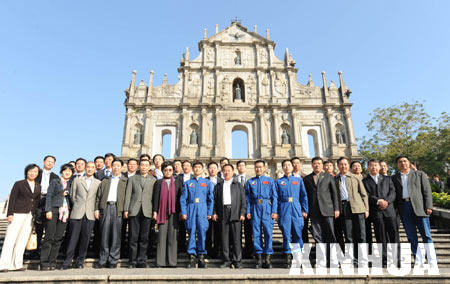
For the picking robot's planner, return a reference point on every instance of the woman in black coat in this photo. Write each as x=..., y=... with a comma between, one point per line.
x=166, y=212
x=56, y=217
x=23, y=201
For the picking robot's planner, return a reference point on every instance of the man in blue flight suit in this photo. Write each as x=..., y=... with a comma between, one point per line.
x=292, y=209
x=262, y=201
x=197, y=203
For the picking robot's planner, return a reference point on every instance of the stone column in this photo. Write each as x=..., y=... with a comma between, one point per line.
x=148, y=132
x=332, y=132
x=126, y=133
x=204, y=133
x=220, y=135
x=348, y=120
x=297, y=130
x=184, y=139
x=276, y=127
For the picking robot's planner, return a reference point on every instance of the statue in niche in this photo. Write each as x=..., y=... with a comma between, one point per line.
x=285, y=137
x=237, y=59
x=340, y=136
x=237, y=92
x=194, y=138
x=137, y=137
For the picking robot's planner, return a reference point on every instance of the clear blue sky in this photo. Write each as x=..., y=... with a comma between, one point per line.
x=64, y=64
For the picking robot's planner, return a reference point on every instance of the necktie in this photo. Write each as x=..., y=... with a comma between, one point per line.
x=242, y=180
x=107, y=173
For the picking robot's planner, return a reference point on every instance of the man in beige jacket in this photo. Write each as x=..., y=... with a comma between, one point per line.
x=354, y=203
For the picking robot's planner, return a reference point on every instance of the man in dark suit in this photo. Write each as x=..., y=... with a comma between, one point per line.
x=183, y=177
x=213, y=235
x=109, y=209
x=44, y=178
x=242, y=178
x=381, y=192
x=138, y=207
x=99, y=167
x=323, y=204
x=229, y=209
x=415, y=203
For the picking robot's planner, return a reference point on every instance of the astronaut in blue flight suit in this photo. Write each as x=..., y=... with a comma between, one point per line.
x=262, y=202
x=197, y=203
x=292, y=208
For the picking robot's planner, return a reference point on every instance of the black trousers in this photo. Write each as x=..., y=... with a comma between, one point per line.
x=236, y=234
x=354, y=227
x=213, y=241
x=81, y=231
x=110, y=227
x=248, y=236
x=305, y=237
x=54, y=235
x=124, y=239
x=386, y=230
x=182, y=245
x=322, y=229
x=40, y=220
x=139, y=238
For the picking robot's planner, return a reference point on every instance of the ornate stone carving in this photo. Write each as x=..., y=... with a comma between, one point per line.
x=340, y=136
x=285, y=138
x=194, y=137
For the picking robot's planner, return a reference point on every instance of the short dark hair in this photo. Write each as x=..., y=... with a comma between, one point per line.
x=80, y=159
x=212, y=163
x=157, y=156
x=223, y=159
x=71, y=162
x=285, y=161
x=327, y=162
x=382, y=161
x=400, y=157
x=343, y=158
x=145, y=156
x=50, y=156
x=117, y=160
x=228, y=165
x=65, y=167
x=99, y=157
x=144, y=160
x=373, y=161
x=186, y=161
x=241, y=162
x=133, y=159
x=197, y=163
x=295, y=158
x=355, y=162
x=316, y=159
x=110, y=155
x=259, y=161
x=176, y=160
x=165, y=165
x=30, y=167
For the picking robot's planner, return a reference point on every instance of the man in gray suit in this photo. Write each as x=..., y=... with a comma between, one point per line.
x=415, y=205
x=84, y=190
x=138, y=207
x=109, y=207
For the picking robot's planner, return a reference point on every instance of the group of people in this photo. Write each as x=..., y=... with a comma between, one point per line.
x=179, y=197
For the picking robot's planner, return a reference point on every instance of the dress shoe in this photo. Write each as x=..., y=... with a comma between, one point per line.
x=237, y=265
x=3, y=270
x=21, y=269
x=46, y=268
x=99, y=266
x=131, y=265
x=65, y=267
x=141, y=265
x=112, y=265
x=79, y=266
x=225, y=264
x=268, y=263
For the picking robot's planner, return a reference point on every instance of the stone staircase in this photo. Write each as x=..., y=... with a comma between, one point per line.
x=441, y=240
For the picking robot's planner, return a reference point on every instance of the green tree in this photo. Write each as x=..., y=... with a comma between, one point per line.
x=408, y=129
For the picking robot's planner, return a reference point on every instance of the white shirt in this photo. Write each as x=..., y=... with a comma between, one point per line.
x=227, y=192
x=88, y=182
x=159, y=174
x=131, y=174
x=112, y=195
x=241, y=178
x=31, y=184
x=344, y=192
x=107, y=172
x=375, y=178
x=45, y=181
x=405, y=184
x=213, y=180
x=186, y=177
x=297, y=175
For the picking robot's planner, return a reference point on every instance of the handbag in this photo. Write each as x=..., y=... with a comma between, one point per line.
x=32, y=240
